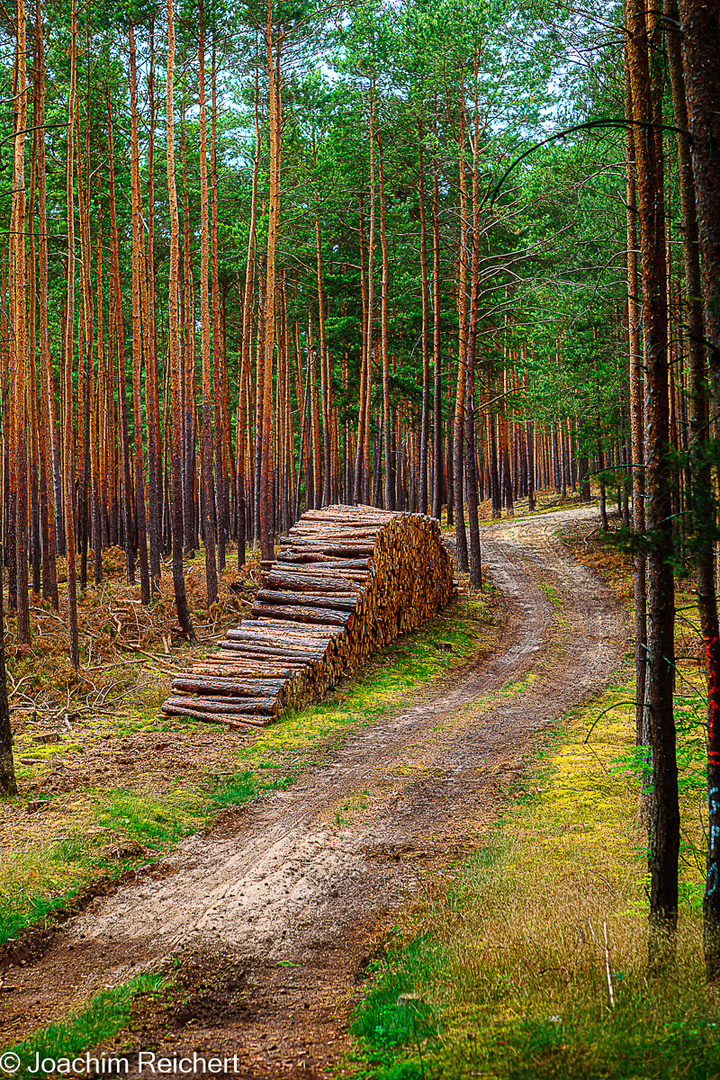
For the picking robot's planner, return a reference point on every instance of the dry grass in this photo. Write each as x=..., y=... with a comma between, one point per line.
x=508, y=963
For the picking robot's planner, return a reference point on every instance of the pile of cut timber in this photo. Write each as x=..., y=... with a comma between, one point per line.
x=348, y=580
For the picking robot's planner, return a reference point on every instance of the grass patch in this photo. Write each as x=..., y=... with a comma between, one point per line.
x=235, y=790
x=103, y=1016
x=552, y=595
x=152, y=823
x=508, y=962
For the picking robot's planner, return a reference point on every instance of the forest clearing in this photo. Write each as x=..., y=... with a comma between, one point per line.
x=359, y=639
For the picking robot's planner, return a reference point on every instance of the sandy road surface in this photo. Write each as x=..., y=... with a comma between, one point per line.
x=279, y=905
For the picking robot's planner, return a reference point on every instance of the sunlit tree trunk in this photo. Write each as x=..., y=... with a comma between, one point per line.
x=47, y=390
x=240, y=434
x=152, y=397
x=116, y=291
x=69, y=437
x=138, y=250
x=425, y=295
x=387, y=424
x=437, y=375
x=459, y=427
x=207, y=374
x=470, y=441
x=181, y=604
x=267, y=525
x=18, y=344
x=636, y=414
x=364, y=417
x=223, y=460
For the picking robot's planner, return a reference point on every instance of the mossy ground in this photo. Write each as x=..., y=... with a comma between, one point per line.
x=502, y=973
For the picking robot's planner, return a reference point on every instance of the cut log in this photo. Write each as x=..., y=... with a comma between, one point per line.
x=347, y=580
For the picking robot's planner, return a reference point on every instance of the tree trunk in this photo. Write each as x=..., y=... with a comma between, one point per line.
x=437, y=377
x=127, y=488
x=47, y=391
x=206, y=359
x=458, y=431
x=664, y=818
x=384, y=348
x=245, y=346
x=635, y=378
x=69, y=440
x=267, y=530
x=137, y=259
x=18, y=348
x=425, y=408
x=181, y=604
x=152, y=398
x=700, y=27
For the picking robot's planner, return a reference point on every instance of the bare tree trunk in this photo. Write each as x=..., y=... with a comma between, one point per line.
x=69, y=439
x=18, y=345
x=700, y=27
x=181, y=604
x=324, y=365
x=387, y=422
x=636, y=417
x=152, y=397
x=471, y=484
x=425, y=413
x=664, y=817
x=207, y=374
x=437, y=375
x=267, y=525
x=127, y=487
x=223, y=456
x=137, y=258
x=460, y=533
x=47, y=391
x=246, y=343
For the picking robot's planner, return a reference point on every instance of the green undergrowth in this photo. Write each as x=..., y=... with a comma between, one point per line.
x=101, y=830
x=503, y=973
x=103, y=1016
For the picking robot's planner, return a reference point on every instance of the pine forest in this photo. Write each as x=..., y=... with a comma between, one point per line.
x=276, y=278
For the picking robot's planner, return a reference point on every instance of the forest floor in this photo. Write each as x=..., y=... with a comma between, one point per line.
x=266, y=922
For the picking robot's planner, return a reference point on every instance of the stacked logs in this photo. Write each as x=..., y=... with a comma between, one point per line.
x=347, y=581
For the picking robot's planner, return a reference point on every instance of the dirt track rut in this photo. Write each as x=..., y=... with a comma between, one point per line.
x=305, y=876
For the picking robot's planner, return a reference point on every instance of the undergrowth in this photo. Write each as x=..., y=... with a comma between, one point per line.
x=504, y=973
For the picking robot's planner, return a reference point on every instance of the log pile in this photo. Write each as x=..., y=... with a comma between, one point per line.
x=347, y=581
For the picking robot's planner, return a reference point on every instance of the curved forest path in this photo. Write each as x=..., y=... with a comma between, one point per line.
x=275, y=909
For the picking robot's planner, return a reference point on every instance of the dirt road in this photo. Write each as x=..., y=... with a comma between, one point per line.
x=276, y=911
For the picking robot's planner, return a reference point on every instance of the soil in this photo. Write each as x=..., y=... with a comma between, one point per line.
x=272, y=916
